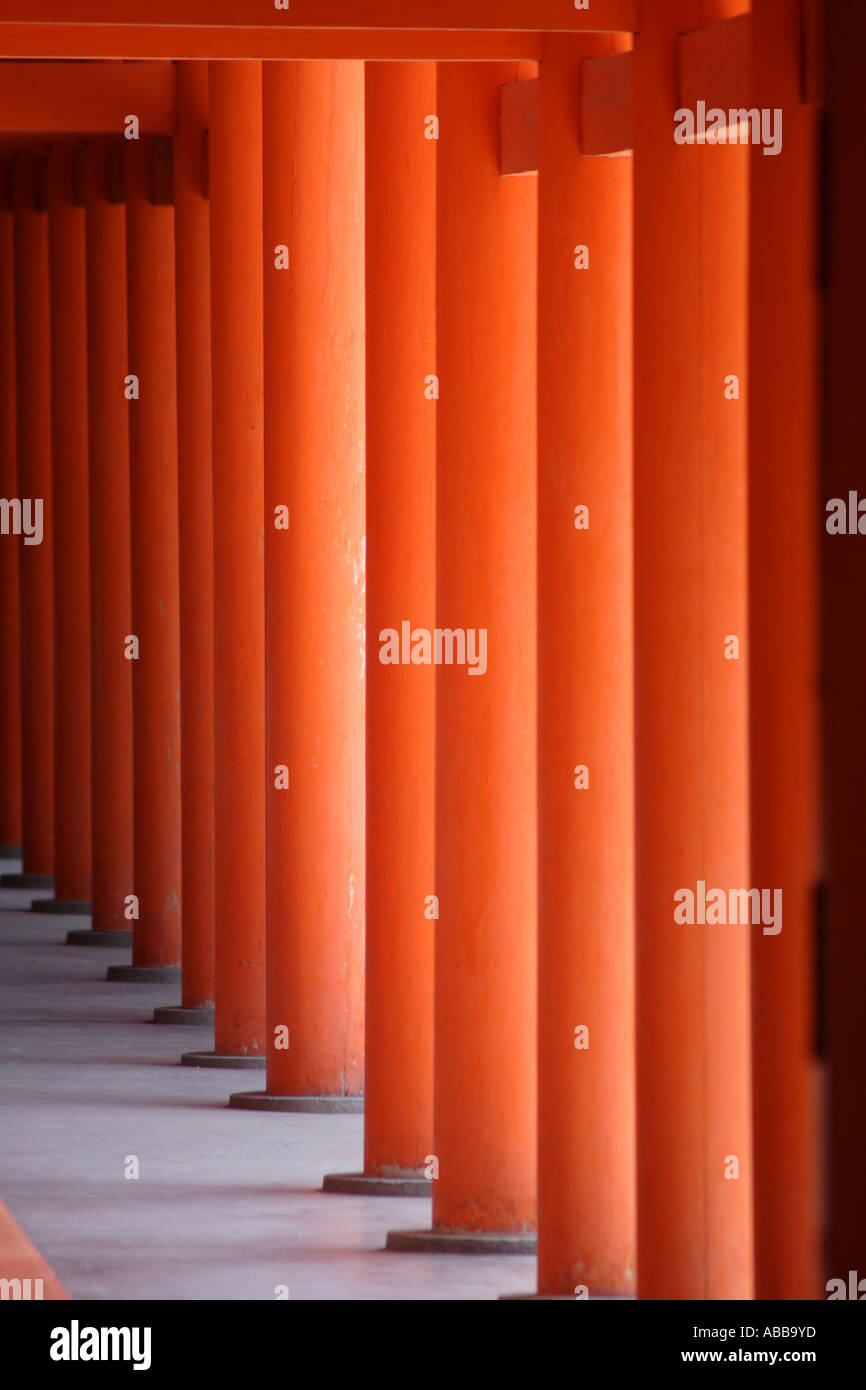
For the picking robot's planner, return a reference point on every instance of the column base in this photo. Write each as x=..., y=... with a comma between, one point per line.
x=310, y=1105
x=26, y=880
x=368, y=1185
x=189, y=1018
x=143, y=974
x=435, y=1242
x=246, y=1060
x=10, y=851
x=62, y=908
x=117, y=940
x=566, y=1298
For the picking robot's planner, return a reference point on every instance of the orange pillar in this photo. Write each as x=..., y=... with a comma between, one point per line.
x=151, y=389
x=843, y=659
x=400, y=200
x=10, y=619
x=483, y=1161
x=235, y=145
x=110, y=601
x=586, y=1120
x=72, y=822
x=33, y=376
x=314, y=546
x=195, y=493
x=783, y=572
x=691, y=665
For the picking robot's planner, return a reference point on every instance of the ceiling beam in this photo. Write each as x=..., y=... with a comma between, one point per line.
x=528, y=15
x=152, y=41
x=87, y=98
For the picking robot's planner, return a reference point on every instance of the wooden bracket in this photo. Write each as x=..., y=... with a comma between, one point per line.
x=518, y=127
x=715, y=66
x=605, y=105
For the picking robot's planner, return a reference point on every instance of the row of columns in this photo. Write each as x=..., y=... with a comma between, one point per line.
x=334, y=311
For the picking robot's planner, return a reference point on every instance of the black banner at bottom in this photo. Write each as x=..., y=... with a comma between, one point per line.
x=610, y=1336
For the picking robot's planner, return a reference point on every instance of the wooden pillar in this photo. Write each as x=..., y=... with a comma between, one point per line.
x=33, y=378
x=400, y=200
x=843, y=657
x=586, y=1125
x=783, y=597
x=151, y=389
x=484, y=1172
x=195, y=496
x=10, y=618
x=314, y=547
x=72, y=818
x=691, y=667
x=235, y=148
x=110, y=582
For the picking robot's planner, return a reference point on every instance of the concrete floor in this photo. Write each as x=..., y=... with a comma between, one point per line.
x=227, y=1204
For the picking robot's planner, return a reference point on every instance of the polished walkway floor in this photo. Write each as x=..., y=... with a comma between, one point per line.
x=227, y=1204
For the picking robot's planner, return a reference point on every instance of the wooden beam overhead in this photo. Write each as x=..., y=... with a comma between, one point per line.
x=154, y=41
x=55, y=98
x=552, y=15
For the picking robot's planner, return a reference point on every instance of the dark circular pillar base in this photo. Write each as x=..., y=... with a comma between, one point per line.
x=61, y=908
x=115, y=940
x=435, y=1242
x=26, y=880
x=368, y=1185
x=143, y=974
x=10, y=851
x=190, y=1018
x=248, y=1061
x=309, y=1105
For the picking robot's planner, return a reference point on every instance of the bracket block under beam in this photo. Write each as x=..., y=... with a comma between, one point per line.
x=606, y=105
x=518, y=127
x=715, y=65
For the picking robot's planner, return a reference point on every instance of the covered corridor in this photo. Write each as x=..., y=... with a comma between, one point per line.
x=431, y=675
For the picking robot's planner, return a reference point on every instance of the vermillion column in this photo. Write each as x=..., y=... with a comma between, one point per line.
x=195, y=489
x=401, y=554
x=783, y=506
x=843, y=657
x=72, y=850
x=235, y=144
x=33, y=377
x=314, y=543
x=10, y=618
x=484, y=1092
x=694, y=1102
x=586, y=1165
x=110, y=582
x=151, y=386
